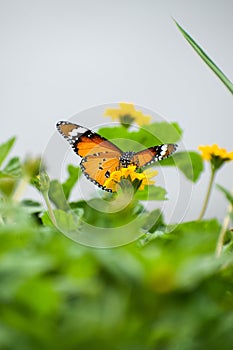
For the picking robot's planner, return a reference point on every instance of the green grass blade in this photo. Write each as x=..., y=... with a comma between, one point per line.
x=227, y=193
x=206, y=59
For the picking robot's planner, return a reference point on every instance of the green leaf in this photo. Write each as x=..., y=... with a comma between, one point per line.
x=74, y=174
x=150, y=237
x=207, y=59
x=106, y=213
x=151, y=193
x=162, y=132
x=9, y=176
x=7, y=184
x=227, y=193
x=119, y=135
x=13, y=167
x=147, y=136
x=31, y=206
x=154, y=221
x=66, y=221
x=198, y=227
x=190, y=163
x=5, y=149
x=57, y=196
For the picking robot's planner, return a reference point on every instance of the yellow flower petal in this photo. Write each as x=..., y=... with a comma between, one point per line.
x=127, y=110
x=111, y=184
x=208, y=152
x=149, y=173
x=132, y=175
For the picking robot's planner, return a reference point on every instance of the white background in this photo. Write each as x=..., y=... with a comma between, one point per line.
x=61, y=57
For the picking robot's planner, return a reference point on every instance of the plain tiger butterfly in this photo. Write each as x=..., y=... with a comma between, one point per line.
x=101, y=157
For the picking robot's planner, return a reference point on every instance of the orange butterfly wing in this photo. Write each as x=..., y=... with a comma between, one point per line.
x=94, y=144
x=100, y=156
x=97, y=168
x=153, y=154
x=84, y=141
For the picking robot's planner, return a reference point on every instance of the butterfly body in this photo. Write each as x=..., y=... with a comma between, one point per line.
x=101, y=157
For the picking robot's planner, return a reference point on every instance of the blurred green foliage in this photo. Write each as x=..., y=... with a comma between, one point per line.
x=171, y=293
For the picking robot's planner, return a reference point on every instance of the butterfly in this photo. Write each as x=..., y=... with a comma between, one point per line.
x=101, y=157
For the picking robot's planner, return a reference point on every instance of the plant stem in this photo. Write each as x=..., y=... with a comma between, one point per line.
x=223, y=231
x=207, y=197
x=20, y=189
x=50, y=209
x=1, y=220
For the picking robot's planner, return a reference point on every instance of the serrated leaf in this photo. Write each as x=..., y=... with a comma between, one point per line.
x=151, y=193
x=198, y=227
x=66, y=221
x=74, y=174
x=9, y=176
x=99, y=213
x=206, y=59
x=227, y=193
x=5, y=149
x=13, y=167
x=147, y=136
x=57, y=196
x=153, y=221
x=150, y=237
x=163, y=132
x=190, y=163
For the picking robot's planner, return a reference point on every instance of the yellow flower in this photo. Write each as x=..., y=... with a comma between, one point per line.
x=149, y=173
x=127, y=114
x=130, y=174
x=208, y=152
x=216, y=155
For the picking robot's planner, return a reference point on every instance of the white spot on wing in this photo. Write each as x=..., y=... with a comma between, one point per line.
x=81, y=130
x=77, y=131
x=163, y=150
